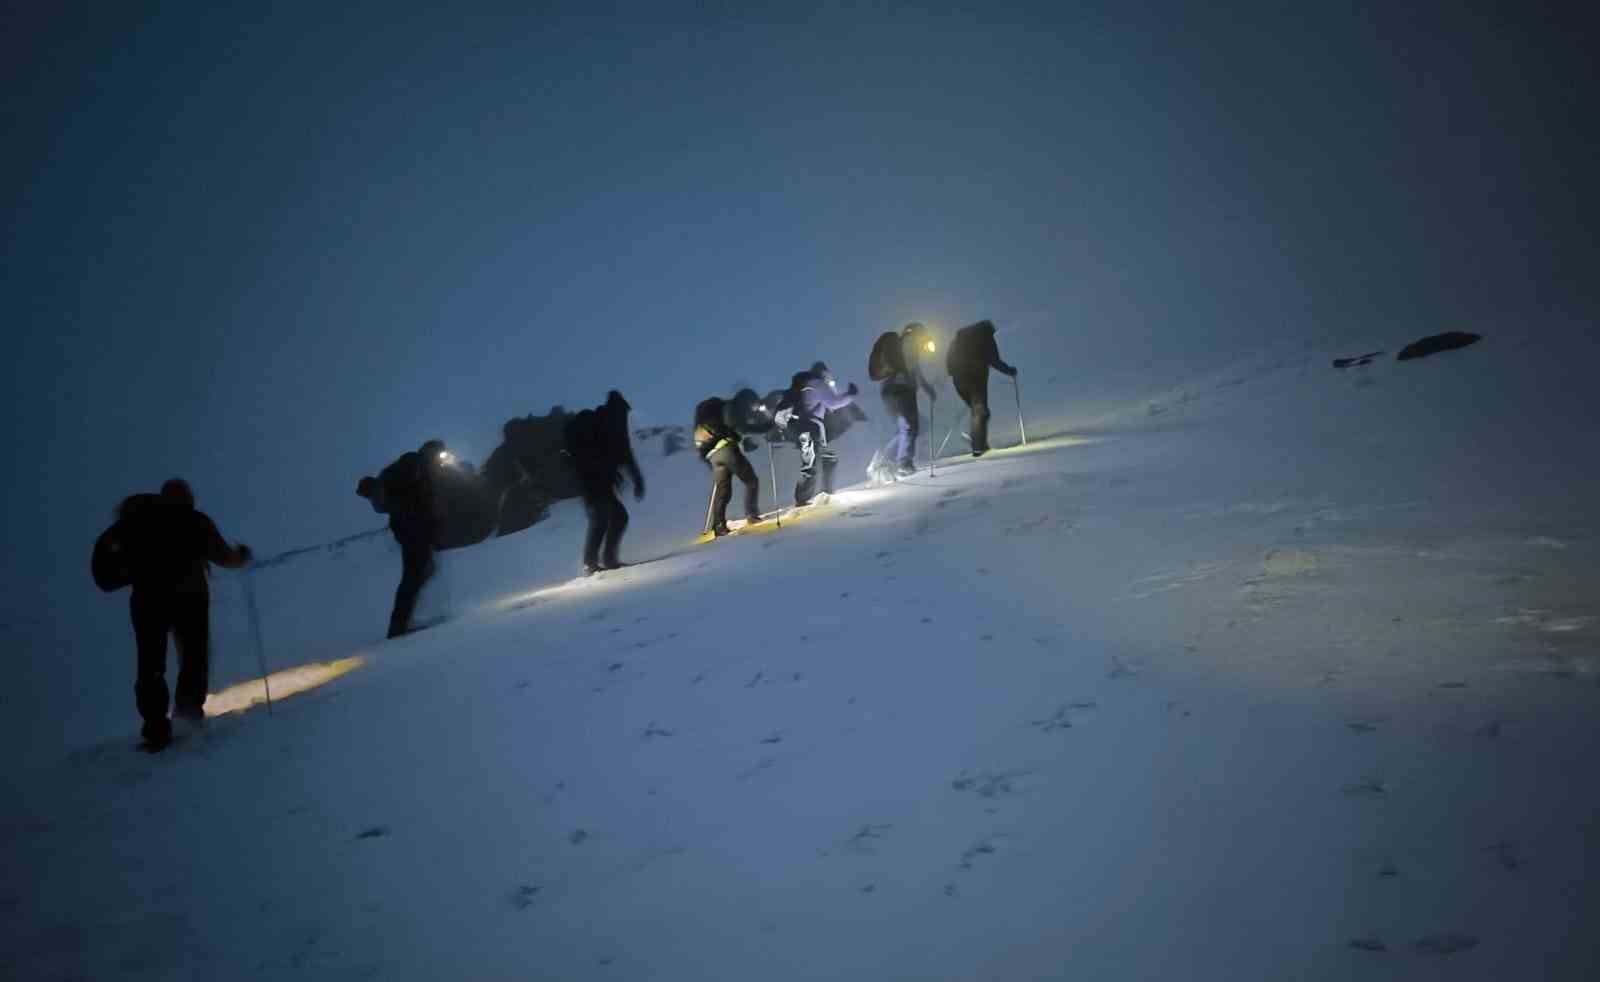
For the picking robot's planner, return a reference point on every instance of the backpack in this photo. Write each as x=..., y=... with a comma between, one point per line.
x=401, y=480
x=887, y=358
x=111, y=565
x=967, y=348
x=586, y=438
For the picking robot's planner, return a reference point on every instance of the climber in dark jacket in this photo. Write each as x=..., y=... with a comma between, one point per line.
x=601, y=450
x=717, y=442
x=899, y=392
x=166, y=545
x=815, y=397
x=972, y=354
x=404, y=491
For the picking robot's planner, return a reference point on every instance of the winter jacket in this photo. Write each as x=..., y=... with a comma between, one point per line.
x=974, y=352
x=166, y=545
x=615, y=455
x=408, y=494
x=817, y=398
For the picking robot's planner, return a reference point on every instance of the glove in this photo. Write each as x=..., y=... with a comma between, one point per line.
x=245, y=553
x=851, y=390
x=638, y=492
x=1012, y=373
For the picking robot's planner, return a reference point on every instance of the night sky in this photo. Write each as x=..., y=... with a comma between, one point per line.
x=270, y=249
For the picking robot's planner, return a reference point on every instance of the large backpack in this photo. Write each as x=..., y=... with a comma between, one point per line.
x=709, y=424
x=966, y=349
x=887, y=357
x=402, y=480
x=586, y=438
x=111, y=565
x=124, y=547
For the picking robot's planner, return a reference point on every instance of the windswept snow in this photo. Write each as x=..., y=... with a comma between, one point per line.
x=1287, y=672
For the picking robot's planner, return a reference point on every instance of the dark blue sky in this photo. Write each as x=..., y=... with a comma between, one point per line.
x=268, y=249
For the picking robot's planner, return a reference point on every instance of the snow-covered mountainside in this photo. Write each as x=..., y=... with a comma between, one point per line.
x=1286, y=672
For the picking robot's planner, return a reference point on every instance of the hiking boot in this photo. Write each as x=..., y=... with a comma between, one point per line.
x=979, y=453
x=157, y=736
x=720, y=530
x=753, y=520
x=905, y=470
x=589, y=569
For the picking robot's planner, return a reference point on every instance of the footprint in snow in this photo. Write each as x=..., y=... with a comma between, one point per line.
x=1057, y=722
x=1368, y=944
x=522, y=898
x=375, y=832
x=1368, y=787
x=1119, y=670
x=1443, y=943
x=1507, y=854
x=653, y=730
x=991, y=784
x=864, y=841
x=983, y=847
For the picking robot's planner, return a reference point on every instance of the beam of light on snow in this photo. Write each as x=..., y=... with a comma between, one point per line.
x=285, y=683
x=1051, y=443
x=609, y=581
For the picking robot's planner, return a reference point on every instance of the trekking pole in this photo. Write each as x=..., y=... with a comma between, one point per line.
x=953, y=428
x=1016, y=388
x=772, y=462
x=710, y=504
x=255, y=632
x=933, y=428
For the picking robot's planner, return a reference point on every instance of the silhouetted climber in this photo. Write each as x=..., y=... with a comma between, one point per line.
x=404, y=491
x=717, y=441
x=815, y=397
x=160, y=545
x=972, y=353
x=896, y=361
x=598, y=442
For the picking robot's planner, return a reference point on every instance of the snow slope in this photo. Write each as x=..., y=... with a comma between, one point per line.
x=1281, y=673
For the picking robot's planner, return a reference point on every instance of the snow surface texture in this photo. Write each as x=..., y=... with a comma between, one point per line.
x=1287, y=673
